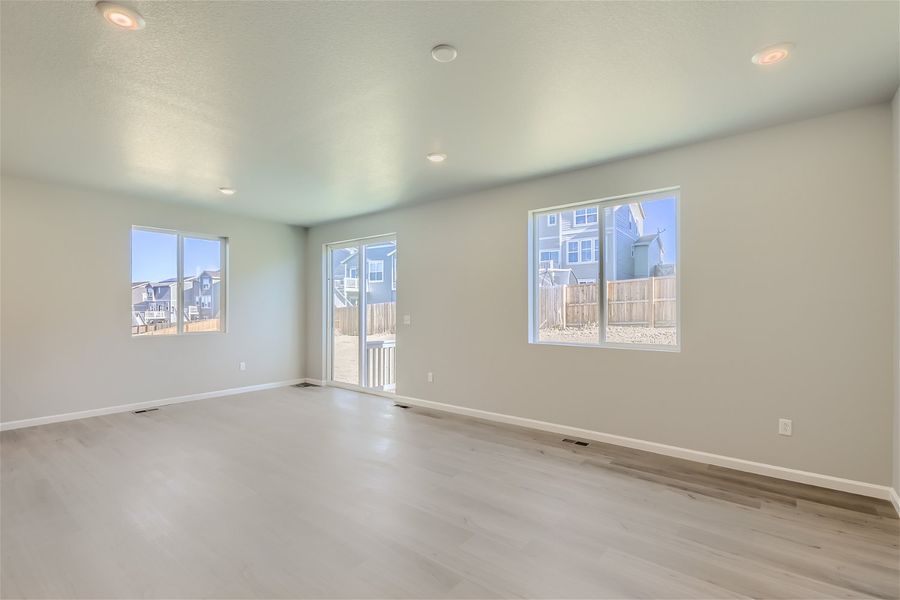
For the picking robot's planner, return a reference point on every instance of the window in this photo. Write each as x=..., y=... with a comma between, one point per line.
x=587, y=252
x=572, y=252
x=634, y=302
x=376, y=271
x=158, y=280
x=586, y=216
x=581, y=251
x=549, y=259
x=551, y=220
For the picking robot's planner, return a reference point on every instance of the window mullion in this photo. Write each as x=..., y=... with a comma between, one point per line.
x=601, y=275
x=179, y=287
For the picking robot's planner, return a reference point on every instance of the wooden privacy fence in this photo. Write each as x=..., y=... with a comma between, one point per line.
x=380, y=318
x=647, y=302
x=171, y=329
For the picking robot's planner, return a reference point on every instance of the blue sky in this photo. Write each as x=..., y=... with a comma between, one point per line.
x=660, y=214
x=154, y=255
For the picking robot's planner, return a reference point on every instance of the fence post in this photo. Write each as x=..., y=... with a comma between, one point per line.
x=652, y=281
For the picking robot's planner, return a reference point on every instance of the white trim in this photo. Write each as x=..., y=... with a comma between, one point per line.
x=852, y=486
x=895, y=500
x=120, y=408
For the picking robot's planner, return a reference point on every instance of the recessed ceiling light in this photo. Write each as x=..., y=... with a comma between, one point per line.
x=436, y=157
x=227, y=191
x=444, y=53
x=120, y=16
x=772, y=54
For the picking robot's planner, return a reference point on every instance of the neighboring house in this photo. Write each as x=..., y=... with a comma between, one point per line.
x=381, y=275
x=155, y=303
x=201, y=296
x=569, y=246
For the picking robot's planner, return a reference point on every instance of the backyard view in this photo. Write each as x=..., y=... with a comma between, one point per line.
x=155, y=306
x=638, y=253
x=379, y=282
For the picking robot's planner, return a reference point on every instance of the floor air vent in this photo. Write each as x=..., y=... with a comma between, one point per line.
x=304, y=384
x=576, y=442
x=143, y=410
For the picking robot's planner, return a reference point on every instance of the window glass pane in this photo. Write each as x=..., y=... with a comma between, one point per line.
x=586, y=250
x=376, y=271
x=566, y=297
x=639, y=271
x=345, y=318
x=202, y=294
x=154, y=282
x=381, y=319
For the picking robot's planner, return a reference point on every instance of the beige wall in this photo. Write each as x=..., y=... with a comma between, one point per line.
x=788, y=248
x=66, y=268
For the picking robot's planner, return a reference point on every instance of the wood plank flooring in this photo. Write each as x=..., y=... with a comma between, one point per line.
x=326, y=493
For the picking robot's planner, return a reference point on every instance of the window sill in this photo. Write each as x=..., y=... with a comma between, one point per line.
x=648, y=347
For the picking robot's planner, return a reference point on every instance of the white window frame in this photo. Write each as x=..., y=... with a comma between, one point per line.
x=587, y=213
x=583, y=244
x=569, y=251
x=601, y=204
x=223, y=280
x=394, y=272
x=380, y=271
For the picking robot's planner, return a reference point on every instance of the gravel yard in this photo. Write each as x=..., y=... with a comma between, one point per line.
x=346, y=356
x=615, y=334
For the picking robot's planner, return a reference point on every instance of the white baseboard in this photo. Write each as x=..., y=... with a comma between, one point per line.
x=895, y=500
x=109, y=410
x=863, y=488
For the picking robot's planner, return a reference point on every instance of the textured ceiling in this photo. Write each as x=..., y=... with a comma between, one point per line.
x=316, y=111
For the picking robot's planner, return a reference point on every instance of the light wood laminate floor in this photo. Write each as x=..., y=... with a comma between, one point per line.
x=321, y=492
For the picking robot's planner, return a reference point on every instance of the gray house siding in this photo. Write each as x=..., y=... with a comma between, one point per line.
x=380, y=259
x=576, y=243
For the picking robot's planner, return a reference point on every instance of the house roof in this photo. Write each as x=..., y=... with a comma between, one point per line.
x=557, y=277
x=646, y=240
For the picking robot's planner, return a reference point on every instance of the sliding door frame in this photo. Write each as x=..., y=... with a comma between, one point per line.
x=328, y=306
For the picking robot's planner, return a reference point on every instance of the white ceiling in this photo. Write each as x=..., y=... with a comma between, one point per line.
x=316, y=111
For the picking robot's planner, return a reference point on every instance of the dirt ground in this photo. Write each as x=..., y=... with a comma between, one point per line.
x=346, y=356
x=615, y=334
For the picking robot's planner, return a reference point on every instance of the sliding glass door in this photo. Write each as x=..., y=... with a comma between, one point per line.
x=344, y=278
x=362, y=313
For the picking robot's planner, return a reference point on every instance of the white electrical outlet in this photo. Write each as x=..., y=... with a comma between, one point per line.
x=243, y=366
x=785, y=427
x=430, y=377
x=407, y=320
